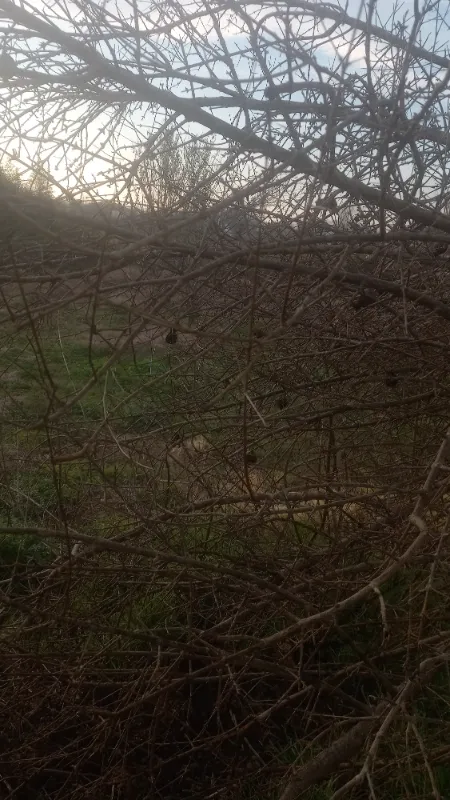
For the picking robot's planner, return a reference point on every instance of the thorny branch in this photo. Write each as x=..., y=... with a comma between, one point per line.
x=224, y=359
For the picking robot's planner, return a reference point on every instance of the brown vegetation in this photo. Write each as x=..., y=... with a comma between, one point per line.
x=225, y=462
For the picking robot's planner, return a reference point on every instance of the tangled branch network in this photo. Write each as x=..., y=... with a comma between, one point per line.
x=224, y=348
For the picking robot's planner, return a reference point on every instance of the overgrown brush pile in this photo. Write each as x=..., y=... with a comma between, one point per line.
x=226, y=556
x=204, y=661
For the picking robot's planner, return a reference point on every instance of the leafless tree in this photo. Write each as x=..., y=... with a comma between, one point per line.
x=224, y=400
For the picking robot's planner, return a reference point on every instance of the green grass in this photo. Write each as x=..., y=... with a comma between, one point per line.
x=21, y=548
x=415, y=782
x=138, y=393
x=33, y=492
x=42, y=379
x=152, y=609
x=20, y=556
